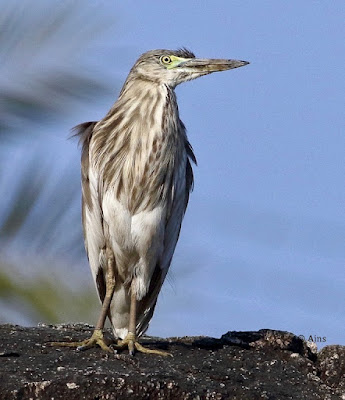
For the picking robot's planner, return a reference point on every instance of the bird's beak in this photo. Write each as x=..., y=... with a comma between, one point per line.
x=208, y=65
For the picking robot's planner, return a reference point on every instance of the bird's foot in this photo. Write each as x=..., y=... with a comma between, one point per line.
x=130, y=341
x=97, y=338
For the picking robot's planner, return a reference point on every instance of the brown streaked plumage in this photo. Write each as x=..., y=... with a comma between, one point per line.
x=136, y=180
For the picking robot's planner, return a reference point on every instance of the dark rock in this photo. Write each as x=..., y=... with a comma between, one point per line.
x=240, y=365
x=272, y=339
x=331, y=364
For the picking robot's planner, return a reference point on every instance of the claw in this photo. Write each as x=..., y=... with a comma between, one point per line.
x=132, y=344
x=97, y=338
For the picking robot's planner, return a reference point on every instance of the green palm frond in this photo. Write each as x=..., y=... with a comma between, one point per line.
x=46, y=72
x=45, y=298
x=43, y=68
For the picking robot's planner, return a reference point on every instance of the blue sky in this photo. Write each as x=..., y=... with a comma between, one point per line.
x=262, y=244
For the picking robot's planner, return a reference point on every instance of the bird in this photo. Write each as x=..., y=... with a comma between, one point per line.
x=136, y=172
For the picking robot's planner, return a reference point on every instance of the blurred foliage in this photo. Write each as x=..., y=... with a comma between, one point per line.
x=44, y=298
x=43, y=69
x=45, y=74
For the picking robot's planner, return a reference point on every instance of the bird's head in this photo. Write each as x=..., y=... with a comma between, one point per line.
x=174, y=67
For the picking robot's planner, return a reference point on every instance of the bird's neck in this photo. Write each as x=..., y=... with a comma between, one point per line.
x=143, y=108
x=148, y=97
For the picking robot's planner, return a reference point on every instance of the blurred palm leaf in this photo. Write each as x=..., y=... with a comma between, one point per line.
x=44, y=71
x=44, y=298
x=45, y=74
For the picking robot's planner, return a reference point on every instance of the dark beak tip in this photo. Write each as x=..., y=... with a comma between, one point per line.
x=243, y=63
x=237, y=63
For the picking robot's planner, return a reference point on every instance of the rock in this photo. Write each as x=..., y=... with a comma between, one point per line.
x=266, y=364
x=331, y=364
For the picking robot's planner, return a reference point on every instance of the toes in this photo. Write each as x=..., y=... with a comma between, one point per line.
x=65, y=344
x=144, y=350
x=131, y=352
x=104, y=347
x=131, y=348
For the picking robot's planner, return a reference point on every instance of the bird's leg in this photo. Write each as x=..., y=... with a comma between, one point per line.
x=130, y=340
x=97, y=337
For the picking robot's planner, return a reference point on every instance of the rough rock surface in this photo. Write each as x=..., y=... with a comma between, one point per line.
x=240, y=365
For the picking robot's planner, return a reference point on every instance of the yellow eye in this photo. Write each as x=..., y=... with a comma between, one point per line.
x=166, y=60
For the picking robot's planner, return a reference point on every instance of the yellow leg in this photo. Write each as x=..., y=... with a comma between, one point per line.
x=130, y=341
x=97, y=336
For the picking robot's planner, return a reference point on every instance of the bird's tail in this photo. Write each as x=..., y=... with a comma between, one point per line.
x=146, y=306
